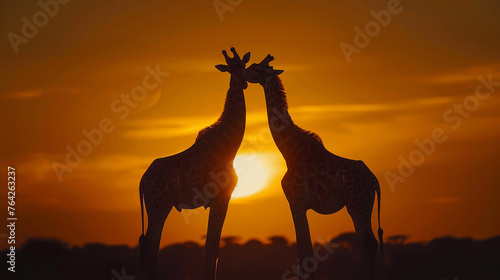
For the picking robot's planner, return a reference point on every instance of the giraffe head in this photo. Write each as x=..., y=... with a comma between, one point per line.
x=261, y=72
x=236, y=67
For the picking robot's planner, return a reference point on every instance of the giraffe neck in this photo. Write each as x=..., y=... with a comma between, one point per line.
x=232, y=119
x=280, y=122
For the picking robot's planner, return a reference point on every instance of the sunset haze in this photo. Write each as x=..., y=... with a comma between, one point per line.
x=418, y=103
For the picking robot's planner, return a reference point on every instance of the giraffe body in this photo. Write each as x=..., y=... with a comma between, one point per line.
x=184, y=180
x=202, y=175
x=324, y=182
x=316, y=178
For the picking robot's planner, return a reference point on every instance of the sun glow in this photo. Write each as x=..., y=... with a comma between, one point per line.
x=253, y=174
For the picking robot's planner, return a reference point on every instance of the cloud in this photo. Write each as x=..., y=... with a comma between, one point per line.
x=37, y=167
x=115, y=163
x=164, y=128
x=464, y=75
x=171, y=127
x=374, y=107
x=23, y=94
x=36, y=93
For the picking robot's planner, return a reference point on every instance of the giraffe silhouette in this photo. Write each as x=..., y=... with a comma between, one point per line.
x=202, y=175
x=317, y=179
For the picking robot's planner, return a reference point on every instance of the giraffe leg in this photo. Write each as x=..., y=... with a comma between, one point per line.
x=304, y=245
x=360, y=211
x=215, y=222
x=151, y=242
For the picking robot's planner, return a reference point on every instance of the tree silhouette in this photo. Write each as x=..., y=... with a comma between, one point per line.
x=439, y=259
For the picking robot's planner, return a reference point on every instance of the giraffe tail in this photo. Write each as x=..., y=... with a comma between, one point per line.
x=380, y=231
x=142, y=239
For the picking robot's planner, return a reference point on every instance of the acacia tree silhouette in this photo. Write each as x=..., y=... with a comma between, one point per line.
x=317, y=179
x=202, y=175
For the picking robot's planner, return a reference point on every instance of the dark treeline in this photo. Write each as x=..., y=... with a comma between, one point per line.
x=442, y=258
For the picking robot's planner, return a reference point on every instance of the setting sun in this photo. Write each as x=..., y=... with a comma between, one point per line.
x=252, y=175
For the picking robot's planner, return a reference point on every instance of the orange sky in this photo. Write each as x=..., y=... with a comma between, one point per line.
x=399, y=88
